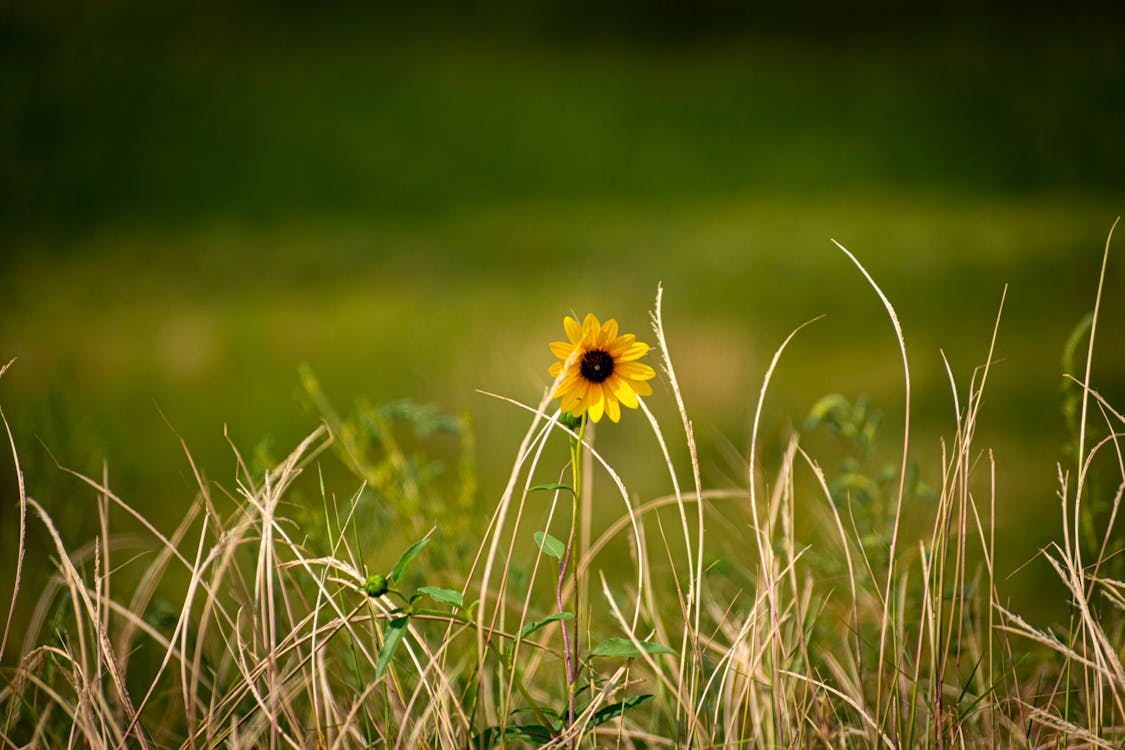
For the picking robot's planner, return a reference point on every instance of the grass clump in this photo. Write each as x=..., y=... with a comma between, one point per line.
x=700, y=618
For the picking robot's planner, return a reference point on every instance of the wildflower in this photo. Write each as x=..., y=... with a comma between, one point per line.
x=599, y=369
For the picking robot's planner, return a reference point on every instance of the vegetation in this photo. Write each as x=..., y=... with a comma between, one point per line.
x=702, y=617
x=198, y=197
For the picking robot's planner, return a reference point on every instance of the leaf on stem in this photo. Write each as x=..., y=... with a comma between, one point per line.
x=626, y=648
x=410, y=554
x=531, y=627
x=550, y=545
x=552, y=486
x=445, y=596
x=613, y=710
x=395, y=631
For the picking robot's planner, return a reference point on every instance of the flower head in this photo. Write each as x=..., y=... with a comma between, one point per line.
x=599, y=369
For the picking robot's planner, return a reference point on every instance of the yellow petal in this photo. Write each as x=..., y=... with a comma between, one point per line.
x=580, y=390
x=635, y=351
x=571, y=403
x=555, y=369
x=641, y=388
x=596, y=403
x=612, y=408
x=573, y=330
x=620, y=345
x=590, y=327
x=634, y=371
x=561, y=349
x=608, y=333
x=569, y=384
x=623, y=391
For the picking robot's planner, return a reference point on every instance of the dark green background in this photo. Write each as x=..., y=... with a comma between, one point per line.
x=194, y=199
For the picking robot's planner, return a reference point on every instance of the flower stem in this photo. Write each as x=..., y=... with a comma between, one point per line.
x=571, y=652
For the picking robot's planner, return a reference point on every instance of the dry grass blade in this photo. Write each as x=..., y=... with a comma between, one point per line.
x=800, y=621
x=84, y=606
x=21, y=547
x=884, y=625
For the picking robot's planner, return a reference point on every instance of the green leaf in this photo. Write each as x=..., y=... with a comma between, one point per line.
x=625, y=647
x=544, y=710
x=395, y=631
x=829, y=409
x=613, y=710
x=445, y=596
x=410, y=554
x=1072, y=343
x=534, y=733
x=550, y=545
x=552, y=486
x=531, y=627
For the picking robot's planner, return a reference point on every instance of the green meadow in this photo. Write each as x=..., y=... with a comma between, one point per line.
x=224, y=229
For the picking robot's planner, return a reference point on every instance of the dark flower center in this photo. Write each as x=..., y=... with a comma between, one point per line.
x=596, y=365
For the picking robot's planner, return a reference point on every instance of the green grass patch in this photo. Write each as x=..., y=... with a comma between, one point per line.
x=844, y=587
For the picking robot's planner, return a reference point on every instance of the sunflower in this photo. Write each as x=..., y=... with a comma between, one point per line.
x=599, y=369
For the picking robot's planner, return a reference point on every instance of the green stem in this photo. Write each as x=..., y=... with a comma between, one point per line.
x=570, y=651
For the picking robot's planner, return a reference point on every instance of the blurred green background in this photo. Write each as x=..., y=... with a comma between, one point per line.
x=196, y=198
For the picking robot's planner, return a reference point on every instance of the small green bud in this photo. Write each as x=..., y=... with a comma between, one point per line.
x=568, y=420
x=375, y=586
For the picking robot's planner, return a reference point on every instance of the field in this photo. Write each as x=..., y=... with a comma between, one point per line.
x=375, y=223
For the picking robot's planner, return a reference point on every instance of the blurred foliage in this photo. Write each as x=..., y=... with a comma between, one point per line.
x=195, y=197
x=406, y=489
x=179, y=112
x=1103, y=493
x=1071, y=391
x=865, y=486
x=198, y=196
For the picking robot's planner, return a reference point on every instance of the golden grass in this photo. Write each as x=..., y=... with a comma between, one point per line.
x=821, y=637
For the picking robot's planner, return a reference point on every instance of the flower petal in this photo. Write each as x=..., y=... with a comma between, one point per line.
x=635, y=371
x=573, y=329
x=635, y=351
x=572, y=383
x=641, y=388
x=556, y=369
x=608, y=333
x=623, y=391
x=620, y=345
x=590, y=327
x=596, y=404
x=612, y=408
x=575, y=401
x=561, y=349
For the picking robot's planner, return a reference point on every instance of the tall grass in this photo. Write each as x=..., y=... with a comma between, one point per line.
x=258, y=623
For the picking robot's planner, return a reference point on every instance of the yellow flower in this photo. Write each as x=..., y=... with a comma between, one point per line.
x=599, y=369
